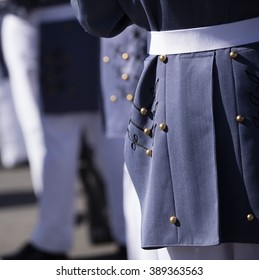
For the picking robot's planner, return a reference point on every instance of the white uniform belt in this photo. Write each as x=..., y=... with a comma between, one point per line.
x=204, y=38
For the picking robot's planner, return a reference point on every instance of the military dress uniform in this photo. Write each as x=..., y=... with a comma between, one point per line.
x=56, y=102
x=196, y=172
x=121, y=65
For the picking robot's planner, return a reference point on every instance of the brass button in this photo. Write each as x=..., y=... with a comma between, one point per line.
x=163, y=126
x=125, y=77
x=106, y=59
x=162, y=58
x=250, y=217
x=233, y=55
x=125, y=56
x=130, y=97
x=240, y=118
x=143, y=111
x=113, y=98
x=147, y=131
x=149, y=152
x=173, y=219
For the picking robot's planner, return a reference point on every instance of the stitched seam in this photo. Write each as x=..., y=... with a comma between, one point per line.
x=170, y=167
x=237, y=125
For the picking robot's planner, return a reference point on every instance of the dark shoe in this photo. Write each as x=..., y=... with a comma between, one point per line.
x=30, y=252
x=122, y=253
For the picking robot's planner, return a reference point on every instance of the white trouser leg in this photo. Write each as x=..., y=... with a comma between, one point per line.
x=246, y=251
x=219, y=252
x=133, y=220
x=20, y=49
x=226, y=251
x=12, y=146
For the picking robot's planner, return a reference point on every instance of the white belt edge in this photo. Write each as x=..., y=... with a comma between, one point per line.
x=203, y=38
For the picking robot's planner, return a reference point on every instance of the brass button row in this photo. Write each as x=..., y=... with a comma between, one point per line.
x=124, y=56
x=173, y=219
x=162, y=127
x=129, y=97
x=163, y=58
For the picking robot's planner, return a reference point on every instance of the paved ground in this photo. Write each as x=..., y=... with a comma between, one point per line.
x=18, y=215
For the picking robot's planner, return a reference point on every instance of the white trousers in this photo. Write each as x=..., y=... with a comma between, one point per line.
x=226, y=251
x=52, y=141
x=133, y=222
x=12, y=146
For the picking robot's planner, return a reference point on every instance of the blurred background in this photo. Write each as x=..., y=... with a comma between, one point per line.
x=65, y=101
x=18, y=217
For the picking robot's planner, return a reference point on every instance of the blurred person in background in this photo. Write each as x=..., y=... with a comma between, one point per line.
x=122, y=59
x=56, y=102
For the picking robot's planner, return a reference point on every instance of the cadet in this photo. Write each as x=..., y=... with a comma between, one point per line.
x=55, y=105
x=196, y=171
x=122, y=63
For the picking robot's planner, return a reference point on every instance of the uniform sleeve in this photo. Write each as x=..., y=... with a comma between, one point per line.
x=103, y=18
